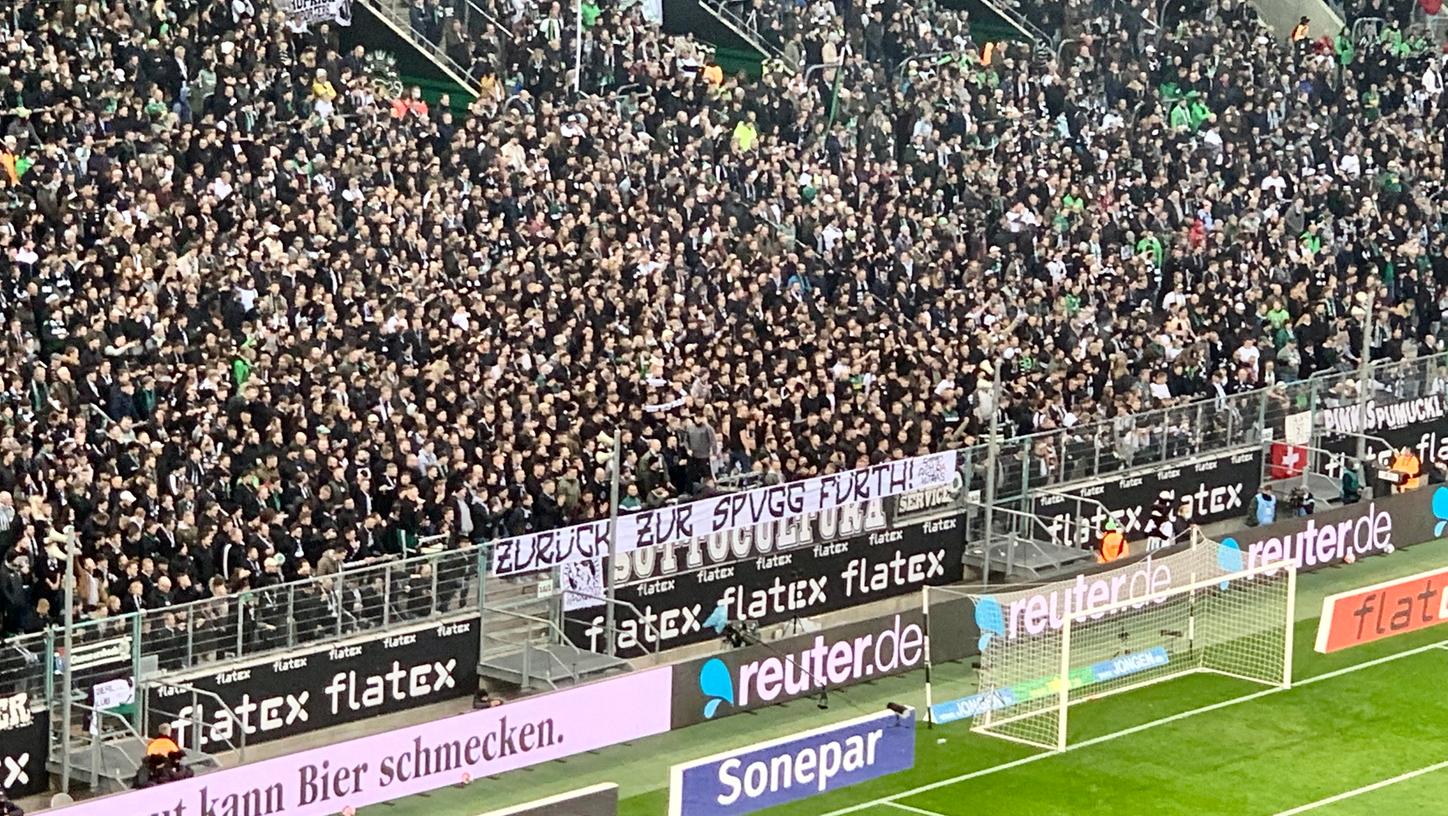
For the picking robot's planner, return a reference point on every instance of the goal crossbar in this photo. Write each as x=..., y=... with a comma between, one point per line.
x=1269, y=569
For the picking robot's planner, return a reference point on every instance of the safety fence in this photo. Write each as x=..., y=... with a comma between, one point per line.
x=373, y=597
x=1198, y=428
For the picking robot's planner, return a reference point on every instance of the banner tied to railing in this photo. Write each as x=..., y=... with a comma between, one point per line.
x=723, y=513
x=306, y=12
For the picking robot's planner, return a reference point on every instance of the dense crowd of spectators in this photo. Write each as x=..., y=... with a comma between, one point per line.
x=260, y=323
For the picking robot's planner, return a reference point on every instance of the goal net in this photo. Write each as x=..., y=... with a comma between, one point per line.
x=1201, y=610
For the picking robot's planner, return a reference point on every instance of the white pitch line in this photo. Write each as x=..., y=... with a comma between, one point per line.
x=912, y=809
x=1403, y=777
x=965, y=777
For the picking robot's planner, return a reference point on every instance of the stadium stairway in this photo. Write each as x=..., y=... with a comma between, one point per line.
x=524, y=644
x=721, y=23
x=1282, y=15
x=992, y=21
x=383, y=24
x=105, y=758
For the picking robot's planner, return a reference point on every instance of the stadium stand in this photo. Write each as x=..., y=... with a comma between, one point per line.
x=259, y=319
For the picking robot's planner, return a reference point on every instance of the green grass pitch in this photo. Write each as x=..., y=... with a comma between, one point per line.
x=1353, y=720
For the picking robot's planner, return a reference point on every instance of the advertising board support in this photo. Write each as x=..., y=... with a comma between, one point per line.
x=925, y=625
x=67, y=677
x=1365, y=371
x=614, y=466
x=992, y=456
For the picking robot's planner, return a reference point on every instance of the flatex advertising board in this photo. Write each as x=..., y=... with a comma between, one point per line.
x=24, y=746
x=776, y=586
x=772, y=773
x=346, y=682
x=1217, y=489
x=793, y=668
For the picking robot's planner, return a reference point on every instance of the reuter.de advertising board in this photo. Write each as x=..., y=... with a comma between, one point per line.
x=1374, y=527
x=774, y=572
x=1217, y=489
x=406, y=761
x=772, y=773
x=343, y=683
x=793, y=668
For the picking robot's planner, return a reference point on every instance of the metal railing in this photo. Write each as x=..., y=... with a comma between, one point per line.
x=1366, y=30
x=746, y=26
x=23, y=661
x=254, y=622
x=648, y=625
x=1100, y=449
x=402, y=25
x=183, y=723
x=524, y=640
x=471, y=7
x=100, y=728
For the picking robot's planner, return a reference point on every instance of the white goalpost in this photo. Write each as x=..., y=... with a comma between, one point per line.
x=1047, y=648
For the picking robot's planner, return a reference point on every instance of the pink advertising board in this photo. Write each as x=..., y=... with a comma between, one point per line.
x=418, y=758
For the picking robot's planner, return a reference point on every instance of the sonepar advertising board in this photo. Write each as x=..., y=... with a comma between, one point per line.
x=815, y=762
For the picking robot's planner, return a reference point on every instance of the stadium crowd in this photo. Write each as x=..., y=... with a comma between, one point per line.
x=260, y=322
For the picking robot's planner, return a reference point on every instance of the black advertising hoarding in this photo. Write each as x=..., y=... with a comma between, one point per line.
x=344, y=683
x=1420, y=424
x=598, y=800
x=24, y=746
x=826, y=565
x=1217, y=488
x=1374, y=527
x=803, y=666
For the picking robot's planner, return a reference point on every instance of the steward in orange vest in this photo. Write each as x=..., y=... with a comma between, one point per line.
x=1409, y=470
x=1112, y=546
x=162, y=744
